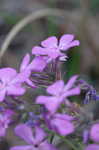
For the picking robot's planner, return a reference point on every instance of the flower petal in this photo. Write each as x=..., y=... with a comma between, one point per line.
x=94, y=133
x=30, y=83
x=25, y=147
x=2, y=94
x=21, y=77
x=54, y=53
x=39, y=135
x=38, y=64
x=74, y=91
x=2, y=131
x=25, y=133
x=25, y=62
x=65, y=41
x=51, y=103
x=62, y=126
x=15, y=90
x=56, y=88
x=70, y=83
x=50, y=42
x=46, y=146
x=74, y=43
x=37, y=50
x=64, y=117
x=7, y=74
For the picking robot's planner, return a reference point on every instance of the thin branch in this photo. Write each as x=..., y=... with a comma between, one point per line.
x=27, y=20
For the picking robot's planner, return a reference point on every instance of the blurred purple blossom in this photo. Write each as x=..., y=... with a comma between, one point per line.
x=59, y=92
x=52, y=49
x=94, y=132
x=85, y=136
x=36, y=140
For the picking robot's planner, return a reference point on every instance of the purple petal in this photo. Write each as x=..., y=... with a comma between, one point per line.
x=7, y=74
x=46, y=146
x=25, y=62
x=94, y=133
x=92, y=147
x=56, y=88
x=70, y=83
x=39, y=135
x=37, y=50
x=30, y=83
x=54, y=53
x=51, y=103
x=15, y=90
x=72, y=44
x=25, y=133
x=64, y=117
x=61, y=126
x=2, y=131
x=65, y=40
x=25, y=147
x=38, y=64
x=50, y=42
x=75, y=43
x=85, y=136
x=21, y=77
x=74, y=91
x=2, y=94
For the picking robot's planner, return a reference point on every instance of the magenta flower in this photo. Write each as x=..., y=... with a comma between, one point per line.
x=94, y=133
x=92, y=147
x=59, y=92
x=60, y=123
x=53, y=49
x=11, y=82
x=36, y=140
x=37, y=64
x=5, y=119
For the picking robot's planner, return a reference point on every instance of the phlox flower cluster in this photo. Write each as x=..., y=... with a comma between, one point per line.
x=53, y=114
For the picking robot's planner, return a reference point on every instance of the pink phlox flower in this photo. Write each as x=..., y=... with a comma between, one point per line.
x=60, y=123
x=5, y=120
x=59, y=92
x=11, y=82
x=36, y=140
x=53, y=49
x=37, y=64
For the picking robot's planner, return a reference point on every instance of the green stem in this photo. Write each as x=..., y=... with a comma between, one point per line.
x=69, y=143
x=51, y=139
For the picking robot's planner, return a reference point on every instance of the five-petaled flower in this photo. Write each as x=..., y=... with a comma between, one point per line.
x=59, y=92
x=53, y=49
x=36, y=140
